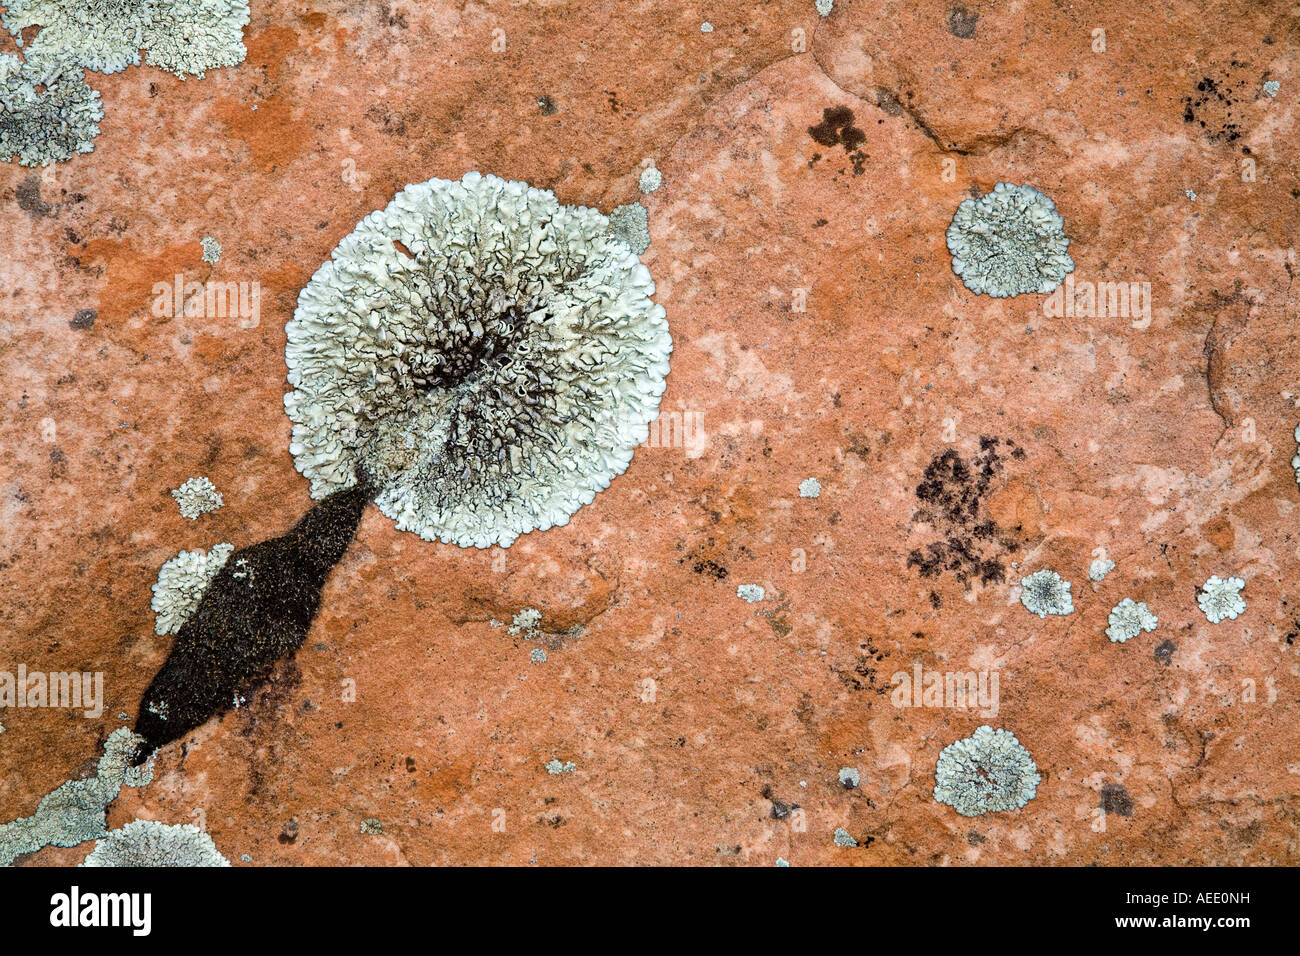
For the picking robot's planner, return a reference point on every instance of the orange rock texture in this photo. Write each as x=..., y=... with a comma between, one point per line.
x=960, y=441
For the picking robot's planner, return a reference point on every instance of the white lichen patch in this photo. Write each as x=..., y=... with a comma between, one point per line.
x=526, y=623
x=211, y=249
x=1295, y=461
x=810, y=488
x=1099, y=568
x=488, y=356
x=555, y=767
x=1221, y=598
x=74, y=813
x=824, y=7
x=850, y=778
x=181, y=584
x=1009, y=242
x=1271, y=87
x=150, y=843
x=651, y=179
x=1045, y=592
x=197, y=496
x=1128, y=619
x=750, y=592
x=987, y=772
x=46, y=115
x=842, y=837
x=182, y=36
x=631, y=224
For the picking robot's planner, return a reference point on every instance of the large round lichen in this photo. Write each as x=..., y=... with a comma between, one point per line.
x=1009, y=242
x=987, y=772
x=488, y=357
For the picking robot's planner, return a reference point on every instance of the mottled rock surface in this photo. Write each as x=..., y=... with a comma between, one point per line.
x=818, y=330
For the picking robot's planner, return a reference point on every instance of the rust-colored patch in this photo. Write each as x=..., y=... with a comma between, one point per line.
x=273, y=135
x=131, y=274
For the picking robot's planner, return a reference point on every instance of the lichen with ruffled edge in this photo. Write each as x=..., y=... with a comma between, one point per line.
x=75, y=812
x=490, y=357
x=47, y=116
x=987, y=772
x=1128, y=619
x=1220, y=598
x=150, y=843
x=181, y=584
x=1045, y=592
x=1009, y=242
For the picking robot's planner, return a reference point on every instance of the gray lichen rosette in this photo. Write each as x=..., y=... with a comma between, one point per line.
x=485, y=355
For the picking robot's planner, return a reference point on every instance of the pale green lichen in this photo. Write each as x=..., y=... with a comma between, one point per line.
x=850, y=778
x=631, y=224
x=650, y=180
x=1128, y=619
x=751, y=593
x=197, y=496
x=75, y=812
x=987, y=772
x=1099, y=568
x=211, y=250
x=842, y=837
x=181, y=584
x=1221, y=599
x=1045, y=592
x=1295, y=461
x=1009, y=242
x=554, y=767
x=45, y=116
x=810, y=488
x=490, y=357
x=148, y=843
x=182, y=36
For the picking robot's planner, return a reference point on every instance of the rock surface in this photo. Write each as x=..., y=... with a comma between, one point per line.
x=818, y=330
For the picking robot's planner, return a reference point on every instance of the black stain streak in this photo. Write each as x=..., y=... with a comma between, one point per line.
x=256, y=611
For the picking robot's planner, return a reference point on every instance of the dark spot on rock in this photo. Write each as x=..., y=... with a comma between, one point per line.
x=837, y=129
x=711, y=568
x=952, y=495
x=84, y=319
x=410, y=765
x=1164, y=651
x=290, y=832
x=888, y=102
x=961, y=22
x=547, y=106
x=28, y=194
x=1115, y=799
x=780, y=809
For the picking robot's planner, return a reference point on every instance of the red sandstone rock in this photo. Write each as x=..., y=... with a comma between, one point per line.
x=819, y=332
